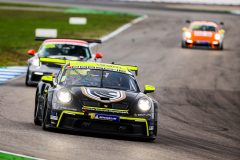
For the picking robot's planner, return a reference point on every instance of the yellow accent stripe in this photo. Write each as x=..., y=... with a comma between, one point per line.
x=126, y=118
x=79, y=113
x=106, y=109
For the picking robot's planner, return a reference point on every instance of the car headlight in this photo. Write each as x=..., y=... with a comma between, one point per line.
x=217, y=36
x=35, y=62
x=64, y=96
x=188, y=34
x=144, y=104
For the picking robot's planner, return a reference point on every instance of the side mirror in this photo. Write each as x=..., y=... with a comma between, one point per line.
x=47, y=79
x=149, y=89
x=31, y=52
x=222, y=31
x=184, y=29
x=98, y=55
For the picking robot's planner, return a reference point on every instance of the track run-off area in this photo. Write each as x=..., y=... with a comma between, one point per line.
x=198, y=92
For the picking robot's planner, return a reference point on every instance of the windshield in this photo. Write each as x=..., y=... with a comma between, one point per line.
x=203, y=28
x=50, y=49
x=99, y=78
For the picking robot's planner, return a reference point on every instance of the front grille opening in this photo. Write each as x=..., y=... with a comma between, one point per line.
x=103, y=126
x=36, y=77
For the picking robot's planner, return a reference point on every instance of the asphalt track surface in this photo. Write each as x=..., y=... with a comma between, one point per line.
x=198, y=93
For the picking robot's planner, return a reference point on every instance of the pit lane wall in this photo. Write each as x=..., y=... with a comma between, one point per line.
x=210, y=2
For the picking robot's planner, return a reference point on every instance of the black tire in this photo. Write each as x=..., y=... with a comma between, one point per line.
x=36, y=120
x=155, y=119
x=45, y=115
x=221, y=48
x=26, y=79
x=183, y=45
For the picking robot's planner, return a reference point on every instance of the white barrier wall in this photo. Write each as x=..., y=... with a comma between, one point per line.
x=219, y=2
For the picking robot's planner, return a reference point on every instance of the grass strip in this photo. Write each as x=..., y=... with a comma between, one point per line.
x=5, y=156
x=93, y=11
x=6, y=4
x=17, y=31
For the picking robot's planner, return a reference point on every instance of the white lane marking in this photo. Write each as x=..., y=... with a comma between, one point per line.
x=119, y=30
x=10, y=73
x=15, y=67
x=12, y=70
x=20, y=155
x=3, y=76
x=235, y=12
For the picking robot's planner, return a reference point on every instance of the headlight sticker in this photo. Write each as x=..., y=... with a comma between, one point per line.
x=63, y=78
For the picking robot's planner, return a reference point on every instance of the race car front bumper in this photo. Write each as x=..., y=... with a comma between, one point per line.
x=202, y=44
x=35, y=73
x=127, y=126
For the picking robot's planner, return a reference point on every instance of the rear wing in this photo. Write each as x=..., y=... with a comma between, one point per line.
x=87, y=40
x=189, y=21
x=64, y=61
x=132, y=68
x=53, y=60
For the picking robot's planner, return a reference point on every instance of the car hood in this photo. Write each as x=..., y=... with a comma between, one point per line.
x=104, y=97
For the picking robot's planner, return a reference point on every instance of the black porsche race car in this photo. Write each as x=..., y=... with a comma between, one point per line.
x=97, y=98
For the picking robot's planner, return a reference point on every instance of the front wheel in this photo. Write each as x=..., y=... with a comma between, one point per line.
x=36, y=110
x=26, y=79
x=45, y=115
x=221, y=47
x=183, y=44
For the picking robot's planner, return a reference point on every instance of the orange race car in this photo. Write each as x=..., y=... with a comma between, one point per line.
x=203, y=34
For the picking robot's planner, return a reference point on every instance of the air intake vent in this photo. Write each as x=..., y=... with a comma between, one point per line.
x=119, y=106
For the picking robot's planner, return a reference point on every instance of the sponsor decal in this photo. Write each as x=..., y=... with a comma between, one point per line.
x=104, y=95
x=53, y=117
x=200, y=33
x=105, y=117
x=147, y=114
x=151, y=124
x=86, y=124
x=67, y=108
x=151, y=128
x=202, y=42
x=104, y=110
x=122, y=128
